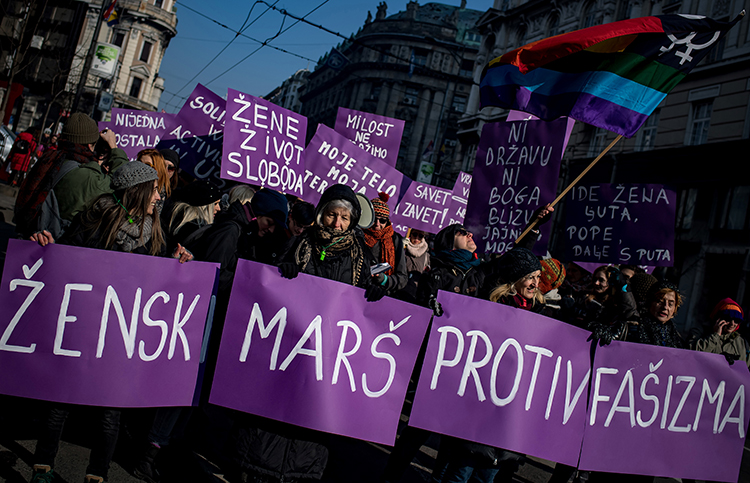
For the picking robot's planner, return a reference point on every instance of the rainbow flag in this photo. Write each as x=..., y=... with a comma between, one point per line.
x=611, y=76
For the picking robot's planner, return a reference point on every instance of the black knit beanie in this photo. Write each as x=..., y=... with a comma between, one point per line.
x=516, y=264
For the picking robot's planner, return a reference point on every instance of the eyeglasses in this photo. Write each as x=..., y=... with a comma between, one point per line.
x=463, y=232
x=382, y=221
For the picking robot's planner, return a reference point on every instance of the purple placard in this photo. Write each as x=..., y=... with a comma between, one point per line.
x=196, y=134
x=424, y=207
x=314, y=353
x=380, y=136
x=504, y=377
x=459, y=198
x=264, y=144
x=127, y=334
x=137, y=130
x=627, y=433
x=516, y=172
x=331, y=159
x=626, y=223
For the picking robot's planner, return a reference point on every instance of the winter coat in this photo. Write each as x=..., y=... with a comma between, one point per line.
x=397, y=280
x=84, y=184
x=21, y=161
x=653, y=332
x=416, y=263
x=733, y=345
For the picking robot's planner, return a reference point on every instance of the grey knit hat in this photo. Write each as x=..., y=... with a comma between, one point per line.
x=517, y=263
x=131, y=174
x=81, y=129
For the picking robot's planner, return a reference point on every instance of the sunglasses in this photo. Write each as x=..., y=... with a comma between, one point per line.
x=383, y=221
x=463, y=232
x=170, y=168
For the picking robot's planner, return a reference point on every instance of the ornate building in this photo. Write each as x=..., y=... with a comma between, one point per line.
x=696, y=140
x=287, y=95
x=415, y=65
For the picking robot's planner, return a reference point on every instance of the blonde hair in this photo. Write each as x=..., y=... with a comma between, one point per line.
x=160, y=166
x=183, y=213
x=242, y=193
x=509, y=290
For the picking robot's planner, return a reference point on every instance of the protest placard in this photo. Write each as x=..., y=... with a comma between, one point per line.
x=315, y=353
x=516, y=172
x=264, y=144
x=665, y=412
x=459, y=199
x=126, y=334
x=504, y=377
x=196, y=134
x=331, y=158
x=137, y=130
x=625, y=223
x=424, y=207
x=380, y=136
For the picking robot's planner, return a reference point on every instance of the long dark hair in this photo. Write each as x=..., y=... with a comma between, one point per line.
x=111, y=211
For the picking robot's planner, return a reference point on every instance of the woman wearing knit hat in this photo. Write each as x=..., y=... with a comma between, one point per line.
x=153, y=158
x=724, y=336
x=386, y=246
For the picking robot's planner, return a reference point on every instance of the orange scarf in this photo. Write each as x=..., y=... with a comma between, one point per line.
x=387, y=248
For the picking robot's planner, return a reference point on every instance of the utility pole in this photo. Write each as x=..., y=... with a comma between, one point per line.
x=89, y=58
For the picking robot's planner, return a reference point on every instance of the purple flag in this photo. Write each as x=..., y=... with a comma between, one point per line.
x=331, y=159
x=625, y=223
x=264, y=144
x=459, y=198
x=516, y=172
x=195, y=133
x=666, y=412
x=314, y=353
x=137, y=130
x=380, y=136
x=504, y=377
x=126, y=334
x=424, y=207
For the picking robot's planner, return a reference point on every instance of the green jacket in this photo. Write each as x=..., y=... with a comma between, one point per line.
x=78, y=189
x=732, y=344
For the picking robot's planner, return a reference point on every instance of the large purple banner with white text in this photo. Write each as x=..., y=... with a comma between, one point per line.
x=137, y=130
x=504, y=377
x=331, y=158
x=516, y=172
x=196, y=134
x=666, y=412
x=126, y=334
x=314, y=353
x=264, y=144
x=625, y=223
x=380, y=136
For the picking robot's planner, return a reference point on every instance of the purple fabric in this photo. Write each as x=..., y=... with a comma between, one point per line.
x=424, y=207
x=331, y=158
x=264, y=144
x=511, y=412
x=516, y=172
x=380, y=136
x=137, y=130
x=195, y=133
x=629, y=224
x=626, y=434
x=300, y=389
x=67, y=344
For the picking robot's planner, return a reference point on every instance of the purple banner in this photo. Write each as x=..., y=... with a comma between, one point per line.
x=424, y=207
x=459, y=198
x=666, y=412
x=126, y=334
x=512, y=375
x=625, y=223
x=195, y=133
x=380, y=136
x=516, y=172
x=264, y=144
x=332, y=159
x=137, y=130
x=314, y=353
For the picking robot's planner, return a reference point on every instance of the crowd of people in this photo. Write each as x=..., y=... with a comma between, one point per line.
x=86, y=192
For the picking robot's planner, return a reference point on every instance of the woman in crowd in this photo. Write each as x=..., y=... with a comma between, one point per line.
x=193, y=207
x=124, y=221
x=723, y=336
x=24, y=148
x=153, y=158
x=606, y=300
x=417, y=255
x=172, y=163
x=386, y=246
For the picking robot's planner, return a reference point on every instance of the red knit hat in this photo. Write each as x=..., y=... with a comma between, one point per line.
x=380, y=205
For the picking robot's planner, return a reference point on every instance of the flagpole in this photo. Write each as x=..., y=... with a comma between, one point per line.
x=570, y=186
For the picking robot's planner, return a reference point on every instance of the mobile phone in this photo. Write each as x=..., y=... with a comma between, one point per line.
x=379, y=268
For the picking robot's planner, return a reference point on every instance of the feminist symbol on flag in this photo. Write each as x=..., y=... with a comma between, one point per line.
x=685, y=56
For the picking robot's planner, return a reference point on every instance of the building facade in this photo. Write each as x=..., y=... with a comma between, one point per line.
x=695, y=141
x=287, y=95
x=415, y=65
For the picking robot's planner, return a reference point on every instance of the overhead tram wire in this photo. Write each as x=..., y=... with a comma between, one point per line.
x=244, y=27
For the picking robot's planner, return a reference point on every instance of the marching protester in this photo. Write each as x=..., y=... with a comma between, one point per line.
x=271, y=248
x=607, y=300
x=722, y=335
x=386, y=246
x=172, y=163
x=124, y=221
x=417, y=256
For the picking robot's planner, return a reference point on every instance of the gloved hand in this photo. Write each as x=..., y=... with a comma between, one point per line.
x=604, y=334
x=374, y=292
x=378, y=279
x=731, y=358
x=437, y=309
x=288, y=270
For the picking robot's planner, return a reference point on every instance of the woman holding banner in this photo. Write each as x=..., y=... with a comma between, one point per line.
x=126, y=221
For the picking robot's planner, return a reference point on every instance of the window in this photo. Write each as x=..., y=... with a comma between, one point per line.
x=472, y=37
x=459, y=103
x=411, y=96
x=553, y=26
x=597, y=142
x=420, y=57
x=118, y=38
x=589, y=15
x=135, y=87
x=686, y=208
x=145, y=51
x=467, y=68
x=647, y=134
x=159, y=3
x=700, y=122
x=625, y=9
x=734, y=205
